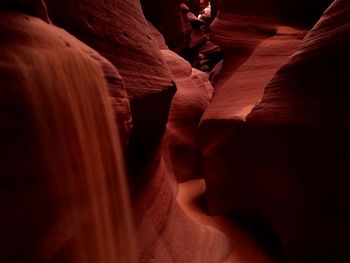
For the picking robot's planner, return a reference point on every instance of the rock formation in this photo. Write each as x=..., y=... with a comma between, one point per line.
x=168, y=18
x=242, y=25
x=130, y=47
x=193, y=95
x=184, y=32
x=101, y=124
x=190, y=101
x=60, y=150
x=285, y=156
x=163, y=232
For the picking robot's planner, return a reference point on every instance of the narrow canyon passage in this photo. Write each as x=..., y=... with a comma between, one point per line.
x=178, y=131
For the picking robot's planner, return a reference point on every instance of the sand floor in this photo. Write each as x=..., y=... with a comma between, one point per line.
x=246, y=250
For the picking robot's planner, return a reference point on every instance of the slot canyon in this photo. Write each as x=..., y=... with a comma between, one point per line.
x=174, y=131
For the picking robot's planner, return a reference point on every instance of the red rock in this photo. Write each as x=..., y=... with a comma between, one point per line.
x=286, y=157
x=184, y=8
x=308, y=95
x=32, y=7
x=195, y=21
x=130, y=47
x=242, y=25
x=190, y=101
x=238, y=36
x=165, y=232
x=168, y=19
x=296, y=12
x=231, y=103
x=124, y=37
x=201, y=78
x=239, y=94
x=158, y=37
x=118, y=96
x=59, y=150
x=193, y=94
x=198, y=39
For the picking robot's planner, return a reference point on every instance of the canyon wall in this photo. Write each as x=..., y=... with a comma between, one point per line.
x=101, y=122
x=274, y=140
x=140, y=88
x=60, y=150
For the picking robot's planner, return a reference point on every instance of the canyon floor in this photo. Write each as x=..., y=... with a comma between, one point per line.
x=246, y=249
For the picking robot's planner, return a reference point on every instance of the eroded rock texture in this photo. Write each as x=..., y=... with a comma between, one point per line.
x=272, y=142
x=119, y=31
x=60, y=150
x=184, y=32
x=242, y=25
x=286, y=157
x=170, y=20
x=190, y=101
x=129, y=45
x=193, y=94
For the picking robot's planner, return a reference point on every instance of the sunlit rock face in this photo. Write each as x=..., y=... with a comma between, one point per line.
x=286, y=158
x=60, y=150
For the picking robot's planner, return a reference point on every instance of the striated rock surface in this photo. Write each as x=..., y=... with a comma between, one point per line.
x=238, y=36
x=193, y=94
x=239, y=94
x=120, y=32
x=121, y=43
x=241, y=26
x=190, y=101
x=230, y=105
x=304, y=110
x=284, y=161
x=128, y=44
x=60, y=150
x=166, y=234
x=305, y=96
